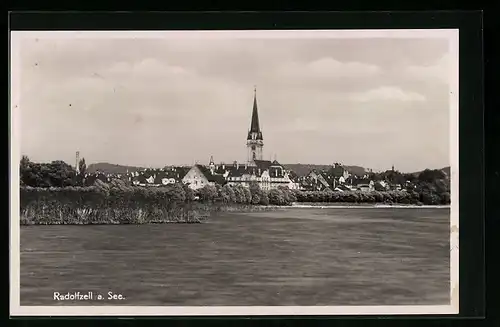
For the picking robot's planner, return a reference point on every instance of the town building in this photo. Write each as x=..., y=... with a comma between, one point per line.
x=200, y=176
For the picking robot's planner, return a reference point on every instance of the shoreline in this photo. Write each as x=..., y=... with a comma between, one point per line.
x=248, y=209
x=322, y=205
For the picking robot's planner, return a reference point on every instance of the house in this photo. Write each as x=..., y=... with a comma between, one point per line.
x=199, y=176
x=317, y=181
x=381, y=186
x=294, y=181
x=342, y=188
x=364, y=185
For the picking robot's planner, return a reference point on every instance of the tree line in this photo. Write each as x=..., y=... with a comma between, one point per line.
x=428, y=187
x=54, y=174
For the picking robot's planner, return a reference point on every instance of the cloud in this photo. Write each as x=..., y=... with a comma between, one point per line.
x=326, y=69
x=149, y=67
x=437, y=71
x=389, y=93
x=330, y=66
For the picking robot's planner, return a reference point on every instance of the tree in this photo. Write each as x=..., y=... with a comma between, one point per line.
x=442, y=185
x=248, y=195
x=255, y=188
x=101, y=186
x=175, y=193
x=276, y=197
x=25, y=172
x=445, y=198
x=188, y=193
x=239, y=194
x=25, y=161
x=208, y=193
x=228, y=193
x=82, y=170
x=264, y=198
x=82, y=167
x=410, y=177
x=430, y=198
x=120, y=185
x=431, y=176
x=374, y=176
x=54, y=174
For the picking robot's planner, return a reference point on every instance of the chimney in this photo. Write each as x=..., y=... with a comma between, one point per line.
x=223, y=166
x=237, y=166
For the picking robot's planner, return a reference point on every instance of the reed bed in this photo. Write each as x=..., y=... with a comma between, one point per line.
x=92, y=205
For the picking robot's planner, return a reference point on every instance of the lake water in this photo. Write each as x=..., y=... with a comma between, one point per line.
x=353, y=256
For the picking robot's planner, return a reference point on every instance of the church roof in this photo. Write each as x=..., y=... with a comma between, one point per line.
x=274, y=168
x=240, y=171
x=263, y=164
x=254, y=125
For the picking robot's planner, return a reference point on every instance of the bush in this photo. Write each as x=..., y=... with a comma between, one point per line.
x=425, y=196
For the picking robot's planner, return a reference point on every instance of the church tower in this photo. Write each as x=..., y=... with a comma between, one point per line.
x=255, y=142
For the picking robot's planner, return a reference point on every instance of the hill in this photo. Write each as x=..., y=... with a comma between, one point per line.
x=446, y=170
x=111, y=168
x=299, y=169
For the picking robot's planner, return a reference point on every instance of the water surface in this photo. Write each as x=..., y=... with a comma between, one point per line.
x=356, y=256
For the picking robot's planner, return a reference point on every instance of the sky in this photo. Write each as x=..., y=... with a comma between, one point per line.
x=152, y=102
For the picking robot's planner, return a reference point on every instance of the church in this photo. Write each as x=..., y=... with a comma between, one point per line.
x=268, y=174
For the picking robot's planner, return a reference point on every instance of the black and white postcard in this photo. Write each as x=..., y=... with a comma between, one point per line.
x=188, y=173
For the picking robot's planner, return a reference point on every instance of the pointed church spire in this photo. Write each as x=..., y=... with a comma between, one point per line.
x=254, y=126
x=255, y=141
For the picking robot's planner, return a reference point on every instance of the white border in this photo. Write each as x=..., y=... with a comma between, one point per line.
x=17, y=310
